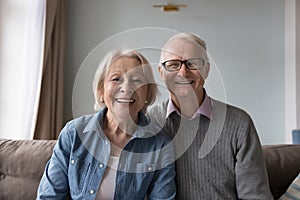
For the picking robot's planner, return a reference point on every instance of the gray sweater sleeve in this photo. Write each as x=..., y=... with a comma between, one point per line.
x=251, y=174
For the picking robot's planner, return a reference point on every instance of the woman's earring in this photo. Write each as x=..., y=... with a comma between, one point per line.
x=101, y=100
x=146, y=101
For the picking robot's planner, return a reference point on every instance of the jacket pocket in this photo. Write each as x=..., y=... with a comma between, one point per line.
x=143, y=179
x=78, y=170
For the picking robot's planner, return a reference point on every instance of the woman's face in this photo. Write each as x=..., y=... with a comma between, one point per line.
x=125, y=89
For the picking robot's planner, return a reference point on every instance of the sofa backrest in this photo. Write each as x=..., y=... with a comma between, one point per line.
x=283, y=165
x=22, y=164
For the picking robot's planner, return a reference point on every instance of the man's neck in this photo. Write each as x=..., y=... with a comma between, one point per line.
x=188, y=105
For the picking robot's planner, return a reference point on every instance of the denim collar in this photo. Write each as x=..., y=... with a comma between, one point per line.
x=95, y=125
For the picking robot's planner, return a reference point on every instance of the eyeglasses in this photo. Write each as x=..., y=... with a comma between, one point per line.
x=191, y=64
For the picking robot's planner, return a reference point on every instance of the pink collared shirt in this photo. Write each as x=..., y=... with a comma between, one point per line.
x=204, y=109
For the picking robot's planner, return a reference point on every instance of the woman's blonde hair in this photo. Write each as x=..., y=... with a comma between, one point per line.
x=103, y=70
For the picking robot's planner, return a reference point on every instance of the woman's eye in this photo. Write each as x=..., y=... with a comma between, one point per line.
x=116, y=79
x=137, y=80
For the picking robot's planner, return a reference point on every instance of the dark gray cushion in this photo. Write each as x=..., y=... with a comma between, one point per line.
x=283, y=165
x=293, y=192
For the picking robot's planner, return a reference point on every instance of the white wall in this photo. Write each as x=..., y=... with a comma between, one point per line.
x=245, y=39
x=297, y=50
x=292, y=67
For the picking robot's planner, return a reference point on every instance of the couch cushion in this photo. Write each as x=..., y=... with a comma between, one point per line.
x=293, y=192
x=22, y=163
x=283, y=165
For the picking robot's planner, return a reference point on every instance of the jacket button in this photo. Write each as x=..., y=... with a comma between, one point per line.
x=92, y=191
x=101, y=165
x=73, y=162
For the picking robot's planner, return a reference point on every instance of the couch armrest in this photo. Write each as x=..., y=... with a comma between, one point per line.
x=22, y=163
x=283, y=165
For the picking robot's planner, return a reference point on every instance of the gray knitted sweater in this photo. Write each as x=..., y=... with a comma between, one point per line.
x=219, y=158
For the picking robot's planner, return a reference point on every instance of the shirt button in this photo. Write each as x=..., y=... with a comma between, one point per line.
x=73, y=162
x=149, y=168
x=92, y=191
x=101, y=165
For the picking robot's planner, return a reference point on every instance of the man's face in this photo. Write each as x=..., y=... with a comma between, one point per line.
x=184, y=83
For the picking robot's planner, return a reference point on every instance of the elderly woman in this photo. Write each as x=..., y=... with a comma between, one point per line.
x=115, y=153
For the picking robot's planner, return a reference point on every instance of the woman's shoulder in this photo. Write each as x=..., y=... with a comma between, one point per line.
x=79, y=125
x=157, y=113
x=77, y=134
x=84, y=119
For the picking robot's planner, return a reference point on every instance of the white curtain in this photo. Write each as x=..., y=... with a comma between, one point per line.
x=22, y=25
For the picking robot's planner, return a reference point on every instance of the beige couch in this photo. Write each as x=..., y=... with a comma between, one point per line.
x=22, y=163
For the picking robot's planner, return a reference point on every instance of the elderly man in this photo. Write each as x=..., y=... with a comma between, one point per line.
x=218, y=151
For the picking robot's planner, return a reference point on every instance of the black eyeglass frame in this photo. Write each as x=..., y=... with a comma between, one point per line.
x=185, y=63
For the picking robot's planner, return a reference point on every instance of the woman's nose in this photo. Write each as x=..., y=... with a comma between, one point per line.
x=126, y=87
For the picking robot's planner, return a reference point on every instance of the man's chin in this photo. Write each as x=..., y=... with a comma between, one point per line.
x=187, y=92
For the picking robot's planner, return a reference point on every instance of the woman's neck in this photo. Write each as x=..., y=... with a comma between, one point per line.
x=118, y=132
x=119, y=126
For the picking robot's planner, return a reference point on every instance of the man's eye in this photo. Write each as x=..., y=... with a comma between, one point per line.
x=191, y=64
x=172, y=64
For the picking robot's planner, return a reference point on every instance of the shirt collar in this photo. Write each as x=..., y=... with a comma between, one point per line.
x=204, y=109
x=96, y=124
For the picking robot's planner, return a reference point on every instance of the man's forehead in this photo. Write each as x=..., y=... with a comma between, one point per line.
x=185, y=50
x=179, y=42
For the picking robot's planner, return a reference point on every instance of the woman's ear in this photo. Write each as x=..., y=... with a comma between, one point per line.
x=100, y=93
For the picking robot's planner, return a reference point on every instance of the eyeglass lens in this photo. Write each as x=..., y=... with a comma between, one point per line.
x=191, y=64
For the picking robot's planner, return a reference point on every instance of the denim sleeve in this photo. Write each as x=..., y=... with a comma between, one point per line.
x=163, y=185
x=54, y=182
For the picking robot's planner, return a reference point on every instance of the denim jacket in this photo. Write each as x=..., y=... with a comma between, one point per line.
x=81, y=154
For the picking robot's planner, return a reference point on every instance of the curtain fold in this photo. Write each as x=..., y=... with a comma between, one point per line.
x=22, y=31
x=50, y=113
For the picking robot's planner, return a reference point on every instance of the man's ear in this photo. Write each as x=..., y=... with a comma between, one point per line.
x=161, y=72
x=205, y=71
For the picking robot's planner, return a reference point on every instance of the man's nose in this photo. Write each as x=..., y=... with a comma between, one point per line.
x=183, y=70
